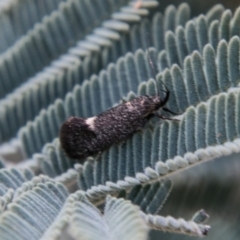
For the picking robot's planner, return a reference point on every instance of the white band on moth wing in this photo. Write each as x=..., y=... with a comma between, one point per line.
x=90, y=122
x=129, y=105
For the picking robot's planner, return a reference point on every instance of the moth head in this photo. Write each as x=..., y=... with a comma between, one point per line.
x=157, y=102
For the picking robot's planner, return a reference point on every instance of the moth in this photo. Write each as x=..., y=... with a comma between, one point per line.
x=81, y=138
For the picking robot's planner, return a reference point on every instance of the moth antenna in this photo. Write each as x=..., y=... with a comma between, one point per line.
x=153, y=69
x=154, y=73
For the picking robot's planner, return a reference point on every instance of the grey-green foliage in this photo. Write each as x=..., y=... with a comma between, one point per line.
x=200, y=216
x=89, y=223
x=203, y=89
x=204, y=127
x=135, y=68
x=2, y=165
x=180, y=226
x=50, y=38
x=13, y=178
x=20, y=16
x=37, y=203
x=70, y=69
x=55, y=81
x=79, y=217
x=196, y=70
x=150, y=197
x=33, y=208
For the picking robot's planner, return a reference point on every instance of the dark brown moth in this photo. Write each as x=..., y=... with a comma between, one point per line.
x=81, y=138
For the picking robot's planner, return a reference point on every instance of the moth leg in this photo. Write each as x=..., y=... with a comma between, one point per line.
x=168, y=110
x=165, y=118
